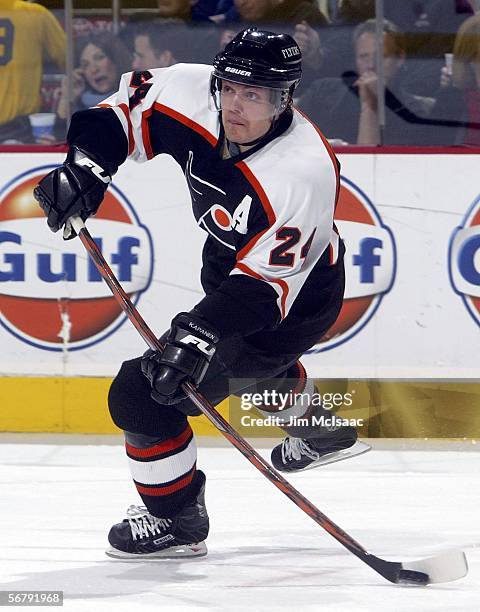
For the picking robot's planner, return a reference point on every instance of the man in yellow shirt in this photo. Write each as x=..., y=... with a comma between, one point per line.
x=29, y=33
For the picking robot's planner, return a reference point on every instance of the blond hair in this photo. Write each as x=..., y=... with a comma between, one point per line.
x=465, y=51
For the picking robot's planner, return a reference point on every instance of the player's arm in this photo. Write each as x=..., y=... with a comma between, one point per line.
x=240, y=306
x=77, y=187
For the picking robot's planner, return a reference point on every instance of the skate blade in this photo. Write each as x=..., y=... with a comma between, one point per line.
x=357, y=449
x=183, y=551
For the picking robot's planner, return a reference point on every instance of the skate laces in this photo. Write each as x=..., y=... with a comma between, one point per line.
x=143, y=524
x=294, y=448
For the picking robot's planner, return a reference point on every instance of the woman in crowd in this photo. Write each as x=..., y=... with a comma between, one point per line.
x=100, y=61
x=457, y=109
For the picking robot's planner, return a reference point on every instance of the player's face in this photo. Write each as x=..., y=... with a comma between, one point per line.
x=99, y=71
x=247, y=111
x=173, y=8
x=251, y=10
x=365, y=56
x=144, y=56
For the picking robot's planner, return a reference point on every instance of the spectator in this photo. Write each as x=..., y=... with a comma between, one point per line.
x=304, y=18
x=199, y=37
x=355, y=11
x=205, y=9
x=457, y=108
x=430, y=27
x=225, y=11
x=229, y=11
x=283, y=12
x=338, y=54
x=187, y=10
x=346, y=108
x=175, y=9
x=29, y=33
x=429, y=24
x=158, y=45
x=101, y=60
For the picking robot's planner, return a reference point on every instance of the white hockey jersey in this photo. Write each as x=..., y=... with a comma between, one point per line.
x=273, y=260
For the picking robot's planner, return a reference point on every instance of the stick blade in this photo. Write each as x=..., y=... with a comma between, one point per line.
x=445, y=567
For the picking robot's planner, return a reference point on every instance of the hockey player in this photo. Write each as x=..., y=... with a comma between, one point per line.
x=263, y=183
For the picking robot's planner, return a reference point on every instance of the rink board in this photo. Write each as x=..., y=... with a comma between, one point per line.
x=411, y=225
x=380, y=409
x=66, y=405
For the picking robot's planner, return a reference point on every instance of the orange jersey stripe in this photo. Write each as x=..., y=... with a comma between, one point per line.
x=252, y=179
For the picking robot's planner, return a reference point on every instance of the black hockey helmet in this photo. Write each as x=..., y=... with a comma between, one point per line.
x=260, y=58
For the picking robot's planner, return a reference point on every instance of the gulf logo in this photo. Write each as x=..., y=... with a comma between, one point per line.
x=464, y=260
x=50, y=292
x=370, y=264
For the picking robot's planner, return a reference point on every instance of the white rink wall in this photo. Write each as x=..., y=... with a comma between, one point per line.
x=399, y=214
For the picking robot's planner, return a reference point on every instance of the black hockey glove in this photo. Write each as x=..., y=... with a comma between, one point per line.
x=188, y=350
x=77, y=187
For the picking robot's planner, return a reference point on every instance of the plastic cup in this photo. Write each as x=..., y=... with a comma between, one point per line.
x=449, y=63
x=42, y=125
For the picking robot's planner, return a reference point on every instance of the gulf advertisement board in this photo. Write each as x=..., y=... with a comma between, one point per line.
x=41, y=281
x=411, y=308
x=464, y=260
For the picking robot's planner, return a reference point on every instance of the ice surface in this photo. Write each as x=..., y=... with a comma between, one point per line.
x=59, y=500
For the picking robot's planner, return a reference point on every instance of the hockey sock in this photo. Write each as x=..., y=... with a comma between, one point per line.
x=164, y=471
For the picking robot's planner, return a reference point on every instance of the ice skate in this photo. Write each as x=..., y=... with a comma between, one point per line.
x=142, y=536
x=299, y=454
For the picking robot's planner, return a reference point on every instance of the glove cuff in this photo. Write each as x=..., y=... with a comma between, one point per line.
x=93, y=164
x=194, y=325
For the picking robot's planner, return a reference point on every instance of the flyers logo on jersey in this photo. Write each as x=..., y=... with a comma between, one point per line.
x=49, y=287
x=370, y=264
x=464, y=260
x=236, y=222
x=216, y=219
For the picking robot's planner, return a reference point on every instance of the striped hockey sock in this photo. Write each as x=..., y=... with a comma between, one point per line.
x=164, y=472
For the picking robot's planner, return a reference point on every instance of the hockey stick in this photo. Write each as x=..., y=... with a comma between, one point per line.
x=441, y=568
